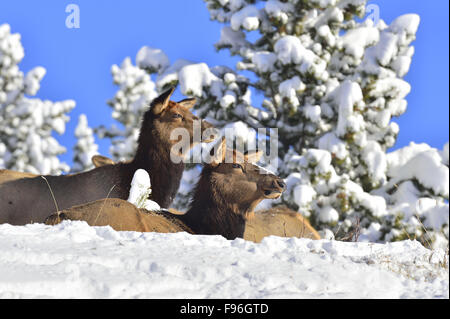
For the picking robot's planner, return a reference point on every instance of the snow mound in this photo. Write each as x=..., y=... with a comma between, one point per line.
x=140, y=190
x=74, y=260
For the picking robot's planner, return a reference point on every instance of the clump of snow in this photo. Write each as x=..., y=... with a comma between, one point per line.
x=371, y=233
x=328, y=215
x=303, y=195
x=375, y=159
x=140, y=187
x=228, y=99
x=170, y=74
x=247, y=18
x=152, y=59
x=32, y=80
x=232, y=39
x=312, y=112
x=407, y=23
x=264, y=61
x=356, y=40
x=420, y=162
x=241, y=133
x=290, y=88
x=140, y=190
x=74, y=260
x=348, y=95
x=334, y=145
x=290, y=50
x=278, y=10
x=435, y=213
x=194, y=77
x=151, y=205
x=320, y=159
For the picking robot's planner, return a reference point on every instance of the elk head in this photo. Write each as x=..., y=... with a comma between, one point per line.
x=237, y=180
x=166, y=119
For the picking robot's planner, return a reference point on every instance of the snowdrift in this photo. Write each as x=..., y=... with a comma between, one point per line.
x=74, y=260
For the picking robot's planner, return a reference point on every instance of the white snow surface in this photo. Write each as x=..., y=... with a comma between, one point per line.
x=74, y=260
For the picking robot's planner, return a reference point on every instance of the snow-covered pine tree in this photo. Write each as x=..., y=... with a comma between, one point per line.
x=85, y=147
x=417, y=194
x=26, y=124
x=331, y=86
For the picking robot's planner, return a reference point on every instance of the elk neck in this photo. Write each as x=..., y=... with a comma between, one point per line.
x=153, y=155
x=211, y=214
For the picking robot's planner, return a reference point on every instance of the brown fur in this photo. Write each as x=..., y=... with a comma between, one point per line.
x=223, y=199
x=278, y=221
x=120, y=215
x=30, y=199
x=8, y=175
x=99, y=160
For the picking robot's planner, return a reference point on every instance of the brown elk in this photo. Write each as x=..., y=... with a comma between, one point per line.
x=224, y=199
x=276, y=221
x=28, y=200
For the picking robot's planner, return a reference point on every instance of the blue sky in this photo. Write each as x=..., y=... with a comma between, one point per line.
x=78, y=61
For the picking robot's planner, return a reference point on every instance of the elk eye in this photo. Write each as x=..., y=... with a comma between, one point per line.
x=177, y=116
x=237, y=166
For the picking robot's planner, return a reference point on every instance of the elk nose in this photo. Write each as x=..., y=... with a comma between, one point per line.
x=280, y=183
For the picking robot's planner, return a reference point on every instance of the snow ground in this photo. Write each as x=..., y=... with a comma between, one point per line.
x=74, y=260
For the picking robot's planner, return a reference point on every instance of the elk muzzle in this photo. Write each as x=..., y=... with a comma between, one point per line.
x=274, y=187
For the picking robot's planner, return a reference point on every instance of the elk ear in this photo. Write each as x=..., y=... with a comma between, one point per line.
x=188, y=103
x=160, y=103
x=99, y=160
x=252, y=156
x=218, y=152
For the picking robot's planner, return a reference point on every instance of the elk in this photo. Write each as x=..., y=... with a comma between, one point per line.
x=224, y=199
x=32, y=199
x=276, y=221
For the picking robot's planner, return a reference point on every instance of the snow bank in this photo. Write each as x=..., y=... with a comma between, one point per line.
x=74, y=260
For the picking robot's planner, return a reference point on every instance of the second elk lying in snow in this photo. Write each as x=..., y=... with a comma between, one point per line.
x=224, y=198
x=32, y=199
x=276, y=221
